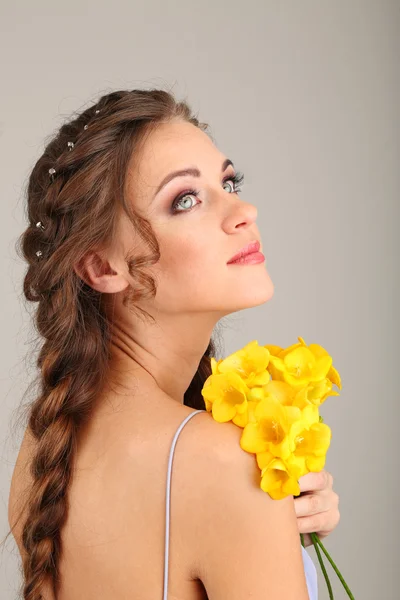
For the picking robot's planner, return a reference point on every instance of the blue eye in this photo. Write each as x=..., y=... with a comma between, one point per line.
x=237, y=180
x=182, y=196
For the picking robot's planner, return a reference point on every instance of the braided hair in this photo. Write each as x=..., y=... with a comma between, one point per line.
x=74, y=193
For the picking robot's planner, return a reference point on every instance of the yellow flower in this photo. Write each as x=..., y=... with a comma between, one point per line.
x=333, y=375
x=310, y=415
x=250, y=363
x=318, y=392
x=311, y=447
x=300, y=366
x=281, y=391
x=271, y=429
x=254, y=396
x=309, y=441
x=274, y=352
x=225, y=397
x=279, y=352
x=273, y=394
x=277, y=482
x=215, y=364
x=294, y=371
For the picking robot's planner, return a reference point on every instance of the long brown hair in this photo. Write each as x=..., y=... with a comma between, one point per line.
x=78, y=205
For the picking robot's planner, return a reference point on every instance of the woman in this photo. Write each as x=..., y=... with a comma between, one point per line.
x=134, y=215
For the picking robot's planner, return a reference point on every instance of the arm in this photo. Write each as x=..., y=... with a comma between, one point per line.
x=248, y=545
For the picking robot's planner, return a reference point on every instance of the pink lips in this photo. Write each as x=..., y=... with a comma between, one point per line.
x=249, y=249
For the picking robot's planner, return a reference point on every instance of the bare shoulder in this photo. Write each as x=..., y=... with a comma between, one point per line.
x=214, y=467
x=218, y=444
x=245, y=541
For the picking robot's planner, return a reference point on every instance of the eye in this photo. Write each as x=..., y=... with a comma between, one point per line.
x=228, y=182
x=181, y=197
x=237, y=180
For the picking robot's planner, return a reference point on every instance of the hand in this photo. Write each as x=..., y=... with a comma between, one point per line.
x=317, y=506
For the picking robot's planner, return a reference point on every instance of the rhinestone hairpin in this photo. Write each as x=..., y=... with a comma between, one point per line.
x=96, y=112
x=39, y=225
x=52, y=172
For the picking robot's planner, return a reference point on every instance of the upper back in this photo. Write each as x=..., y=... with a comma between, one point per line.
x=114, y=538
x=226, y=535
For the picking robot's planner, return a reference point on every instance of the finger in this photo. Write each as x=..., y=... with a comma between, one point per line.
x=316, y=481
x=315, y=524
x=322, y=523
x=312, y=504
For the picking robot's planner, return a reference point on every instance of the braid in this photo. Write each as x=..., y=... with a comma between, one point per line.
x=76, y=205
x=54, y=421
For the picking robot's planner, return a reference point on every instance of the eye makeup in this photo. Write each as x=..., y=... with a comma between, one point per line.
x=237, y=179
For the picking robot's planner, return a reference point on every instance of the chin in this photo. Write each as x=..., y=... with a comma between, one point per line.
x=261, y=297
x=258, y=292
x=250, y=298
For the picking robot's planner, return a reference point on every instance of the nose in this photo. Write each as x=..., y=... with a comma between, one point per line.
x=240, y=214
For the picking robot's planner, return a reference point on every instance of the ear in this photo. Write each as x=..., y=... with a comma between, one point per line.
x=97, y=272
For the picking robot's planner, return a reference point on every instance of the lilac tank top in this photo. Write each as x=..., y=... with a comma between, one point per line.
x=309, y=567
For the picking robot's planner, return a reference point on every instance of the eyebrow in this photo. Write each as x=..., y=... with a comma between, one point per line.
x=190, y=171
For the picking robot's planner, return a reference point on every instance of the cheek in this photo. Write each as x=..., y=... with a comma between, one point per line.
x=183, y=255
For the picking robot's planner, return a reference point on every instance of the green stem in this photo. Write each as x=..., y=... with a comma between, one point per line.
x=321, y=562
x=316, y=541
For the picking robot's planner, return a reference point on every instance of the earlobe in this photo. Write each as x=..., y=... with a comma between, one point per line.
x=97, y=272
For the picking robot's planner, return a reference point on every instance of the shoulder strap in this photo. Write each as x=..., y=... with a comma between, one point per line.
x=168, y=500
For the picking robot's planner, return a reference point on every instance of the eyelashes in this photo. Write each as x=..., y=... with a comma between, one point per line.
x=237, y=179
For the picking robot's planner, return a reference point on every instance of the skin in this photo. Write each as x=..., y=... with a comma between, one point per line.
x=317, y=507
x=196, y=287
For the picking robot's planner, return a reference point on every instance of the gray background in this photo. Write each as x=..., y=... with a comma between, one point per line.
x=304, y=97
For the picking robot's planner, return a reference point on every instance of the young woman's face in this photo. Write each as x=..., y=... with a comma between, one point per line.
x=200, y=223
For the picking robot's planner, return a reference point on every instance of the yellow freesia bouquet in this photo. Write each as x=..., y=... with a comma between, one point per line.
x=274, y=395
